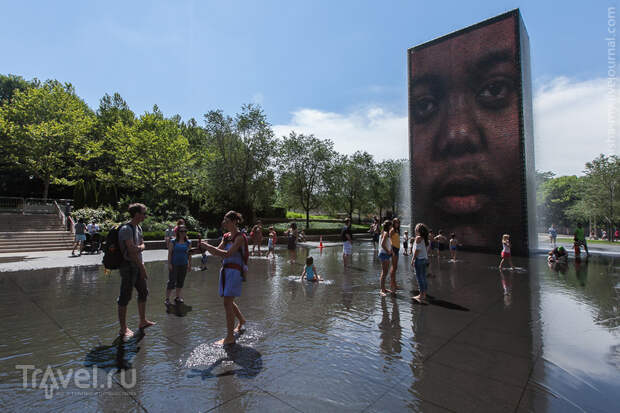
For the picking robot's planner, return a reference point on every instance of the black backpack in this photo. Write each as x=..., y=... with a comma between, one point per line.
x=112, y=254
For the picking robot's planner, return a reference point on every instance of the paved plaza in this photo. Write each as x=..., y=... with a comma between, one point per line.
x=532, y=339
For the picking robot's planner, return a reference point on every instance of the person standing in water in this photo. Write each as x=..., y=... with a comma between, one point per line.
x=234, y=251
x=291, y=243
x=179, y=264
x=257, y=236
x=132, y=269
x=395, y=239
x=347, y=241
x=385, y=256
x=420, y=256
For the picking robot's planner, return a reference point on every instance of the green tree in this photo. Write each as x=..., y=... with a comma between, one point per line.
x=388, y=179
x=555, y=197
x=47, y=130
x=602, y=178
x=303, y=162
x=349, y=183
x=153, y=156
x=238, y=158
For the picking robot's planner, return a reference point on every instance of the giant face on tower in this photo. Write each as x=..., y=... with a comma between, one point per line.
x=466, y=140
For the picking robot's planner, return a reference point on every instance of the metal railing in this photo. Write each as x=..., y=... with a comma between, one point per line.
x=30, y=205
x=61, y=215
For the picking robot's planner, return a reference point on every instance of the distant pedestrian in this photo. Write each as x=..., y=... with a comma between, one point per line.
x=179, y=264
x=441, y=243
x=291, y=243
x=68, y=214
x=406, y=243
x=168, y=235
x=433, y=243
x=375, y=231
x=580, y=238
x=347, y=241
x=553, y=235
x=272, y=241
x=453, y=245
x=257, y=236
x=80, y=236
x=132, y=269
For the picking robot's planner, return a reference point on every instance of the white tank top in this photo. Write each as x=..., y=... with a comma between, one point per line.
x=421, y=248
x=388, y=243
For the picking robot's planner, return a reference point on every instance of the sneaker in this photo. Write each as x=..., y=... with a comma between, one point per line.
x=178, y=300
x=167, y=302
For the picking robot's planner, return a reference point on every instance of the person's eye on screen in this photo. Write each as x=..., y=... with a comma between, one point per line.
x=424, y=108
x=495, y=93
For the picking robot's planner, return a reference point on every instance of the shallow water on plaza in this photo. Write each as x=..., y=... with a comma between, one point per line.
x=535, y=338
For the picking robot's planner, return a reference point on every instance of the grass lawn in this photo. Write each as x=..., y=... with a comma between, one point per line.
x=301, y=215
x=590, y=241
x=317, y=227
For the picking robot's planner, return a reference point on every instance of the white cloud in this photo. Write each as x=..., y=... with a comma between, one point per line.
x=375, y=130
x=570, y=126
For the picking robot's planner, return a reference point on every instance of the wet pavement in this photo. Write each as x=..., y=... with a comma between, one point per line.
x=551, y=344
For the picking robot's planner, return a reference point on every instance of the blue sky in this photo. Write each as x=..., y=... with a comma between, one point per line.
x=333, y=68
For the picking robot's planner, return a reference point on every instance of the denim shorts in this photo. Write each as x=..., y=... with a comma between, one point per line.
x=384, y=256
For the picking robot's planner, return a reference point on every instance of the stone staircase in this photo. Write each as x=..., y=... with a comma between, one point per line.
x=33, y=232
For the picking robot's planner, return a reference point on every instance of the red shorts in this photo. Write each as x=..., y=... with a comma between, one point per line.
x=505, y=254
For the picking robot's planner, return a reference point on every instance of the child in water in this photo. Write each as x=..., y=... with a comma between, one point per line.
x=310, y=271
x=506, y=251
x=406, y=243
x=272, y=241
x=453, y=243
x=203, y=259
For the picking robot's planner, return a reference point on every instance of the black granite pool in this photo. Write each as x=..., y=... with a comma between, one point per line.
x=533, y=339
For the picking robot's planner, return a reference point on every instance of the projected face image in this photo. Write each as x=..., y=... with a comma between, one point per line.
x=464, y=111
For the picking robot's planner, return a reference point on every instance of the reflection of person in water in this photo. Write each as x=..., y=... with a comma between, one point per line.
x=581, y=271
x=391, y=331
x=464, y=122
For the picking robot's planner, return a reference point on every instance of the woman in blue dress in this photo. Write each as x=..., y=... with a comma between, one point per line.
x=234, y=251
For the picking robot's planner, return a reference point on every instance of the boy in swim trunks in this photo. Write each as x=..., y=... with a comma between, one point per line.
x=453, y=243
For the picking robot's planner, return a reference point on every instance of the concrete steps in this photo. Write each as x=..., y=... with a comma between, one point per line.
x=34, y=232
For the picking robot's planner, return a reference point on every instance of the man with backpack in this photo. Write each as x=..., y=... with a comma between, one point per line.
x=132, y=269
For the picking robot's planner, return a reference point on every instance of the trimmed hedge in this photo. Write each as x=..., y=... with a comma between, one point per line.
x=156, y=235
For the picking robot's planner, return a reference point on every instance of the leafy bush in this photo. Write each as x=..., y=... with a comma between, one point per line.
x=320, y=228
x=106, y=216
x=302, y=215
x=161, y=235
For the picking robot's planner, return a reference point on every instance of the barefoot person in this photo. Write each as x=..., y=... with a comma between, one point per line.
x=385, y=255
x=310, y=271
x=233, y=249
x=132, y=270
x=179, y=263
x=395, y=239
x=257, y=236
x=419, y=259
x=291, y=244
